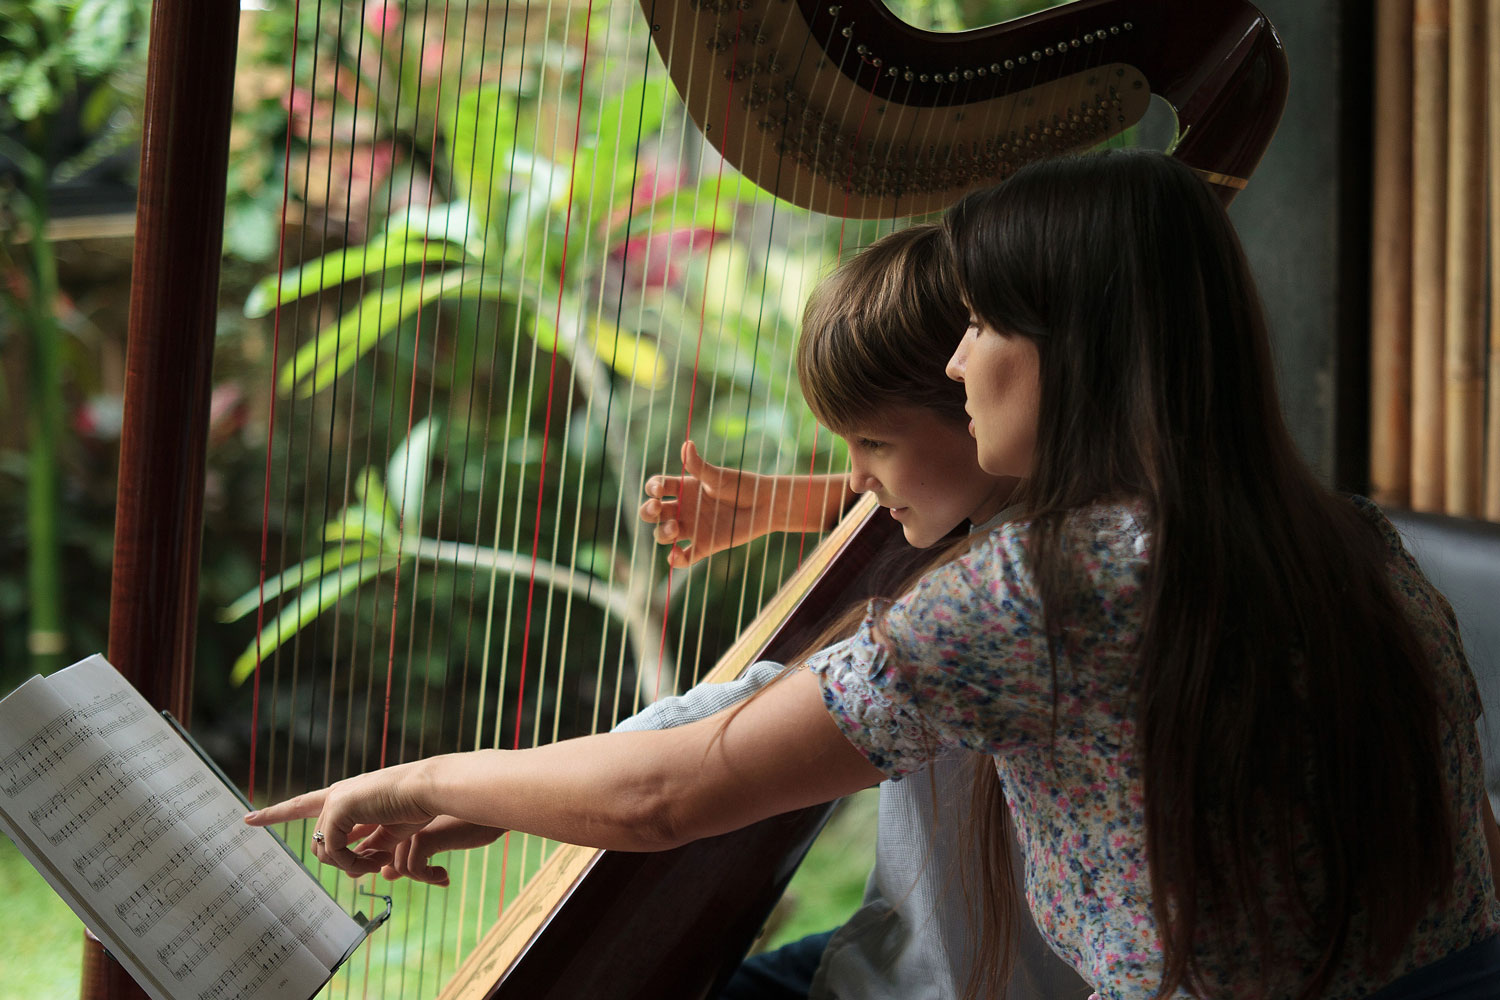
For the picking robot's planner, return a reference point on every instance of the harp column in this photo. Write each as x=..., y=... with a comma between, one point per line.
x=169, y=358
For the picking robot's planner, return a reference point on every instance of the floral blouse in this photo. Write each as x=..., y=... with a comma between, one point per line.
x=976, y=675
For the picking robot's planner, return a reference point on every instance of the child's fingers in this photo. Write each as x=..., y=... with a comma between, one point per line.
x=713, y=480
x=660, y=513
x=664, y=486
x=694, y=465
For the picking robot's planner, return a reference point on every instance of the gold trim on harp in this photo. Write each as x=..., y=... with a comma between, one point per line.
x=1223, y=180
x=525, y=915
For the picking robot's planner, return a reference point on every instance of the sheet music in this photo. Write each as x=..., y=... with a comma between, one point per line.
x=146, y=844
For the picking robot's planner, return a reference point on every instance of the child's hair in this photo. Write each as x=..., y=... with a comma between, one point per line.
x=1286, y=710
x=879, y=331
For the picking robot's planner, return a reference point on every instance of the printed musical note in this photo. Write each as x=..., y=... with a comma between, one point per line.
x=144, y=841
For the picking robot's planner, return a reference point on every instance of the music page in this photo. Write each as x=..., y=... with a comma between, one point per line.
x=145, y=842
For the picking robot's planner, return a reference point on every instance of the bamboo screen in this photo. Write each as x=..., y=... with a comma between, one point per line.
x=1435, y=338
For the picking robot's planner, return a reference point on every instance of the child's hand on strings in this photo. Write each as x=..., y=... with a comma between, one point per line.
x=711, y=507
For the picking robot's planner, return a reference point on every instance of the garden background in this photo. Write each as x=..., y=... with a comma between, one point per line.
x=71, y=79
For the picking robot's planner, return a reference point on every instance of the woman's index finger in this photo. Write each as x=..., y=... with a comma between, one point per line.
x=304, y=806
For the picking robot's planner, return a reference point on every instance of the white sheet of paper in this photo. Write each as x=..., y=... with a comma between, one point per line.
x=146, y=843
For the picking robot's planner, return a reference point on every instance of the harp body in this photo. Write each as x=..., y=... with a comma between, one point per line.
x=846, y=109
x=842, y=109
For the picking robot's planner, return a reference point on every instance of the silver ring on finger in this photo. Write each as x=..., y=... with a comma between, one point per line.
x=318, y=836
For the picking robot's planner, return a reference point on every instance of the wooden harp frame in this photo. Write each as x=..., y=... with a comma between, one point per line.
x=1220, y=67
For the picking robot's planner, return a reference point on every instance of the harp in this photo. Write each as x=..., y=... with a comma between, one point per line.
x=837, y=109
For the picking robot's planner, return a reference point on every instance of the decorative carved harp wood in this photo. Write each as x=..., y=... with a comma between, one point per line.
x=838, y=108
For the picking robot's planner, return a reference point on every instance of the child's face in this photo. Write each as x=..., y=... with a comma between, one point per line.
x=924, y=468
x=1001, y=374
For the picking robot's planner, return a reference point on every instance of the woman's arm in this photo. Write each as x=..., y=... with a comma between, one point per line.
x=623, y=791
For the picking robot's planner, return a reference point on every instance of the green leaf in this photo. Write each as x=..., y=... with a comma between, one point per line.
x=452, y=222
x=362, y=525
x=482, y=132
x=98, y=34
x=311, y=602
x=622, y=121
x=33, y=94
x=406, y=474
x=317, y=566
x=337, y=347
x=334, y=269
x=632, y=355
x=371, y=493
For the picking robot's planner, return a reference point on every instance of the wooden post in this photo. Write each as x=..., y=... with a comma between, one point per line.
x=1464, y=331
x=1429, y=247
x=1492, y=432
x=1390, y=258
x=179, y=237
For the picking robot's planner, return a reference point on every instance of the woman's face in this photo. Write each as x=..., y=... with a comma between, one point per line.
x=1001, y=373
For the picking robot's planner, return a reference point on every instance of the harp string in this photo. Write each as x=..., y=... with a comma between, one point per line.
x=553, y=617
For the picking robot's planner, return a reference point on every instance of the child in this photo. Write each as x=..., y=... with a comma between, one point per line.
x=1232, y=719
x=875, y=338
x=874, y=342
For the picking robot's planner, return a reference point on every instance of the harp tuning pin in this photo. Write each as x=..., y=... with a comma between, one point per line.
x=1129, y=26
x=893, y=71
x=969, y=73
x=1020, y=60
x=863, y=50
x=953, y=76
x=1036, y=56
x=848, y=31
x=910, y=76
x=1050, y=51
x=1088, y=38
x=1114, y=29
x=834, y=10
x=878, y=62
x=1009, y=64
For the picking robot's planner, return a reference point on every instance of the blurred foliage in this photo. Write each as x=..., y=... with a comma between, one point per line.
x=961, y=15
x=440, y=248
x=71, y=77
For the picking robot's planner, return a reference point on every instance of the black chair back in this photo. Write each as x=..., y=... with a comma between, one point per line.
x=1462, y=559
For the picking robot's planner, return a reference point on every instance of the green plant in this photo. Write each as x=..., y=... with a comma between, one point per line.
x=62, y=59
x=442, y=297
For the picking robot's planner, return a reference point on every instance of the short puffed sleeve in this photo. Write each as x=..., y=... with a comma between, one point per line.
x=958, y=662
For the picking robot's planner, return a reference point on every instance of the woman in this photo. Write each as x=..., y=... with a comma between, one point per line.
x=1232, y=720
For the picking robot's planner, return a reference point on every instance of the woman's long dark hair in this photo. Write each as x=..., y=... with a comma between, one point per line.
x=1287, y=725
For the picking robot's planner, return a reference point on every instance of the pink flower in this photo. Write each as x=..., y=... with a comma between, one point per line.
x=648, y=260
x=383, y=18
x=228, y=412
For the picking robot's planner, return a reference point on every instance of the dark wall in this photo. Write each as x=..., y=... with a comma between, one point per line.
x=1304, y=222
